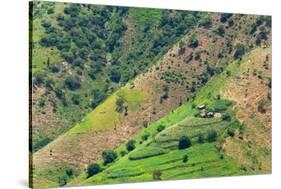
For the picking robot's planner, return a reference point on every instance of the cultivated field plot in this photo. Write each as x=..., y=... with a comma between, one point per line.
x=123, y=94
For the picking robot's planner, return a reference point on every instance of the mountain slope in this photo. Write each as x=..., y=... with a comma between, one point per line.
x=182, y=71
x=80, y=56
x=160, y=154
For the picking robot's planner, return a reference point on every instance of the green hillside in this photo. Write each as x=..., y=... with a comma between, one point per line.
x=122, y=94
x=158, y=157
x=80, y=54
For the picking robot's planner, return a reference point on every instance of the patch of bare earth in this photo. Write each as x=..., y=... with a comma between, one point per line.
x=44, y=123
x=252, y=147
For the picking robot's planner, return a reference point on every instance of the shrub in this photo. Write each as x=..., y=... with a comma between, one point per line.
x=93, y=169
x=193, y=42
x=145, y=123
x=156, y=175
x=221, y=30
x=123, y=153
x=38, y=78
x=160, y=128
x=72, y=83
x=120, y=101
x=230, y=132
x=115, y=75
x=69, y=172
x=185, y=158
x=184, y=142
x=200, y=138
x=228, y=73
x=212, y=136
x=76, y=99
x=131, y=145
x=54, y=68
x=224, y=17
x=108, y=156
x=261, y=106
x=145, y=136
x=92, y=74
x=62, y=181
x=78, y=62
x=206, y=22
x=240, y=50
x=226, y=117
x=50, y=11
x=269, y=82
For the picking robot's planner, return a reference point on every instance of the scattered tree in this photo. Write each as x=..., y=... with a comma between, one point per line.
x=226, y=117
x=221, y=30
x=120, y=103
x=184, y=142
x=185, y=158
x=212, y=136
x=108, y=156
x=206, y=22
x=145, y=123
x=115, y=75
x=145, y=136
x=131, y=145
x=123, y=153
x=93, y=169
x=62, y=181
x=156, y=175
x=200, y=138
x=160, y=128
x=261, y=106
x=69, y=172
x=240, y=50
x=193, y=42
x=72, y=83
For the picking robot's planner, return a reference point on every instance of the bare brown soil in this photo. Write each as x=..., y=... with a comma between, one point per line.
x=252, y=147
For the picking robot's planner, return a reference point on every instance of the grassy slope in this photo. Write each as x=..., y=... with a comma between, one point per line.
x=104, y=116
x=170, y=163
x=178, y=115
x=41, y=54
x=168, y=160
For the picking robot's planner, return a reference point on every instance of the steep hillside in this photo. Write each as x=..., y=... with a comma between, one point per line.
x=81, y=54
x=157, y=156
x=175, y=79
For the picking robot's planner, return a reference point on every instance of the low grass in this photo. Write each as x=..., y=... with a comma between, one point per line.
x=160, y=152
x=192, y=131
x=220, y=105
x=105, y=115
x=143, y=16
x=146, y=152
x=207, y=95
x=170, y=165
x=50, y=178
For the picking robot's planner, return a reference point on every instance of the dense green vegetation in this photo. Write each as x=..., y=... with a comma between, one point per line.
x=92, y=53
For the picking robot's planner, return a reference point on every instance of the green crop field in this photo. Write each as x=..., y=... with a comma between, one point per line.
x=160, y=151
